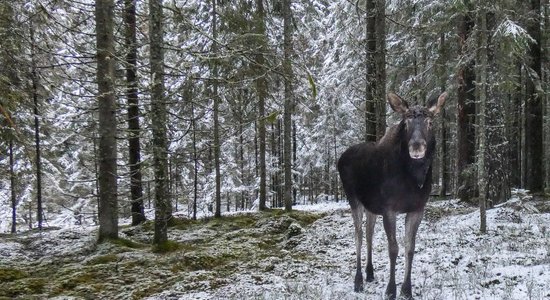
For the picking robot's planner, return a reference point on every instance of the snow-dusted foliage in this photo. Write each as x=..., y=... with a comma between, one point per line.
x=329, y=93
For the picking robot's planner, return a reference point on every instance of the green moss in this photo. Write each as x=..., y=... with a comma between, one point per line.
x=303, y=217
x=128, y=243
x=167, y=247
x=235, y=222
x=201, y=261
x=182, y=223
x=36, y=285
x=79, y=279
x=10, y=274
x=103, y=259
x=148, y=225
x=25, y=286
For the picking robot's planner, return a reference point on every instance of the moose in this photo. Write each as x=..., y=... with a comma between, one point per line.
x=390, y=177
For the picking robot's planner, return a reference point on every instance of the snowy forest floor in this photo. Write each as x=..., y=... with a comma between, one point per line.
x=307, y=254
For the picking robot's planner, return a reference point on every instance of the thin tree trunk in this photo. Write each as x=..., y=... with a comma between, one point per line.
x=34, y=79
x=195, y=161
x=380, y=62
x=241, y=162
x=159, y=122
x=481, y=89
x=261, y=90
x=134, y=148
x=274, y=166
x=523, y=134
x=444, y=173
x=370, y=65
x=465, y=114
x=12, y=189
x=108, y=203
x=288, y=104
x=546, y=81
x=534, y=104
x=516, y=131
x=217, y=195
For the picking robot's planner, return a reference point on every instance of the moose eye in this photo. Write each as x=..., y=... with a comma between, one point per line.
x=429, y=123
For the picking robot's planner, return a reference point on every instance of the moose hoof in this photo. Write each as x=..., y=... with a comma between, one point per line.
x=406, y=294
x=358, y=283
x=370, y=273
x=406, y=291
x=390, y=293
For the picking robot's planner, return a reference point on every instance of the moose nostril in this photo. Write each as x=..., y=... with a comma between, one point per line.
x=418, y=144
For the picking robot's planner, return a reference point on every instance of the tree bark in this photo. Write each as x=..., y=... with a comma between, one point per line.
x=134, y=148
x=12, y=189
x=534, y=109
x=370, y=65
x=481, y=91
x=465, y=116
x=546, y=76
x=261, y=90
x=444, y=173
x=34, y=79
x=216, y=108
x=195, y=159
x=159, y=122
x=380, y=62
x=288, y=104
x=108, y=202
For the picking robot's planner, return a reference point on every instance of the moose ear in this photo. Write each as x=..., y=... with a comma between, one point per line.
x=434, y=107
x=397, y=103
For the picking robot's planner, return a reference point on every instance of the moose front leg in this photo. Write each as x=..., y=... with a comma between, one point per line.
x=369, y=228
x=389, y=219
x=357, y=214
x=412, y=222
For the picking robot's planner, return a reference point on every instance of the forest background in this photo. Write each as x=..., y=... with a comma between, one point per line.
x=186, y=108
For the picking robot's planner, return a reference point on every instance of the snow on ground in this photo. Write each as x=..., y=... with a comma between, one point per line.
x=277, y=258
x=452, y=261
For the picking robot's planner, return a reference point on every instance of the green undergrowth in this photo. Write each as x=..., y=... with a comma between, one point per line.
x=166, y=247
x=201, y=254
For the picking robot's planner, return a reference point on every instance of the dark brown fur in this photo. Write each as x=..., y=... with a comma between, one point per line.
x=383, y=179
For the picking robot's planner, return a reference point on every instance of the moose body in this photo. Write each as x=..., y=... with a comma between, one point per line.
x=390, y=177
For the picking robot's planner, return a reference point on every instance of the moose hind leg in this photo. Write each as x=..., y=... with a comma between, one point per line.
x=412, y=222
x=357, y=214
x=369, y=228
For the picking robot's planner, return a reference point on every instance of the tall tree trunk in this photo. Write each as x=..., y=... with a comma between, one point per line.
x=481, y=91
x=370, y=65
x=546, y=81
x=444, y=173
x=261, y=90
x=465, y=115
x=515, y=130
x=288, y=104
x=108, y=202
x=380, y=62
x=294, y=161
x=195, y=160
x=134, y=148
x=217, y=195
x=498, y=148
x=241, y=162
x=12, y=189
x=534, y=109
x=34, y=75
x=159, y=123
